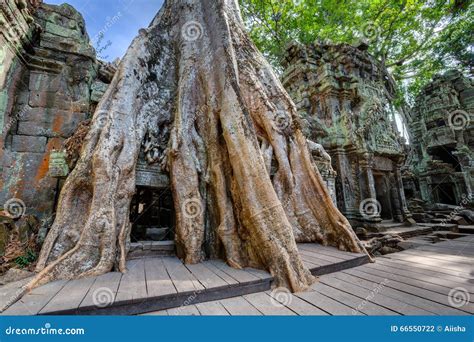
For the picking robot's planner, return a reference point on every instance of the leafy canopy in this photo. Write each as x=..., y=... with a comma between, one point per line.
x=413, y=38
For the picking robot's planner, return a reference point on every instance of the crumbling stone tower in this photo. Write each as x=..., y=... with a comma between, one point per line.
x=442, y=125
x=345, y=98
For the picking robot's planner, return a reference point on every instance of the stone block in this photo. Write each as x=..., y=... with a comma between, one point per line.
x=98, y=90
x=63, y=30
x=62, y=101
x=51, y=124
x=44, y=82
x=25, y=143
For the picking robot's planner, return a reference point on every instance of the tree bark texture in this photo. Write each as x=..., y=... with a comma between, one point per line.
x=195, y=95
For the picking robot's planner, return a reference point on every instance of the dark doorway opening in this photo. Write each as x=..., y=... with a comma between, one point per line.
x=445, y=193
x=382, y=190
x=445, y=154
x=152, y=215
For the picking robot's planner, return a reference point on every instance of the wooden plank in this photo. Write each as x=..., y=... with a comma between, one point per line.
x=460, y=247
x=439, y=255
x=224, y=276
x=423, y=275
x=437, y=300
x=259, y=273
x=433, y=283
x=205, y=276
x=446, y=250
x=156, y=313
x=356, y=303
x=311, y=263
x=267, y=305
x=212, y=309
x=10, y=290
x=320, y=259
x=323, y=250
x=188, y=310
x=456, y=270
x=326, y=304
x=389, y=274
x=330, y=251
x=469, y=239
x=132, y=286
x=69, y=298
x=239, y=306
x=182, y=278
x=335, y=267
x=374, y=292
x=34, y=301
x=299, y=306
x=158, y=281
x=405, y=260
x=103, y=291
x=241, y=276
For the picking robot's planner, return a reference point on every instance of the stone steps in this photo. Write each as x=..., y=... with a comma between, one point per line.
x=469, y=229
x=149, y=249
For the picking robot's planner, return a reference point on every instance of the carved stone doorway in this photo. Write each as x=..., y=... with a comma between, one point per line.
x=152, y=215
x=382, y=189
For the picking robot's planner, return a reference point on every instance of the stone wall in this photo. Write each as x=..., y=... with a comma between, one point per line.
x=344, y=97
x=442, y=126
x=51, y=84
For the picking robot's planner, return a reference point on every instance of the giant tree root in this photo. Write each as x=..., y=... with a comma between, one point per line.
x=194, y=94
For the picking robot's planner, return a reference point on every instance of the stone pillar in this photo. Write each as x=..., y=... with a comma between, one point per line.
x=344, y=174
x=407, y=217
x=373, y=219
x=425, y=190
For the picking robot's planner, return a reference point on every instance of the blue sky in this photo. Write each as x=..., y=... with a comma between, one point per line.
x=120, y=20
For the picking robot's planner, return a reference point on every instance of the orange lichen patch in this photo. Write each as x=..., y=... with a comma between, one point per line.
x=42, y=169
x=58, y=123
x=54, y=144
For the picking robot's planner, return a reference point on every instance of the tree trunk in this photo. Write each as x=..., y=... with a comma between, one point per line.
x=196, y=96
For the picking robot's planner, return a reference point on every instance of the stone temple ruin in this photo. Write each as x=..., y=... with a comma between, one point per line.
x=51, y=82
x=442, y=128
x=345, y=99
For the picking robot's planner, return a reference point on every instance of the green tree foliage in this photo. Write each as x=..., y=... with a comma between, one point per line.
x=413, y=38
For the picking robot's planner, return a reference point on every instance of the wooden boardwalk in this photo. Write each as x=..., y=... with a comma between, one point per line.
x=430, y=280
x=165, y=282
